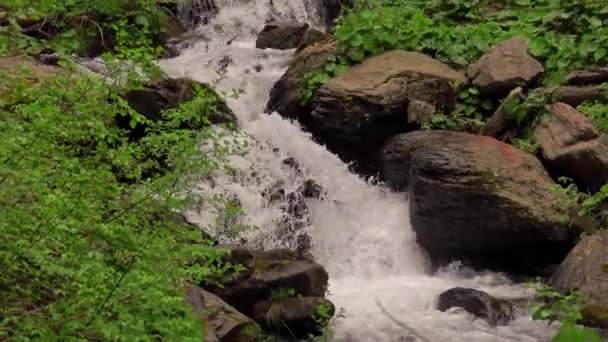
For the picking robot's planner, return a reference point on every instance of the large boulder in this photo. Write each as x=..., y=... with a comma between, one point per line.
x=222, y=323
x=478, y=303
x=286, y=94
x=354, y=114
x=505, y=67
x=281, y=35
x=475, y=198
x=299, y=316
x=573, y=147
x=268, y=271
x=585, y=270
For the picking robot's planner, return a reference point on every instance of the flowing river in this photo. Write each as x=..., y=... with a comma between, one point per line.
x=360, y=231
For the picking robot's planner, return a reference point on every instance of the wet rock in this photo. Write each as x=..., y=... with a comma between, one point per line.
x=354, y=114
x=298, y=316
x=574, y=95
x=310, y=189
x=168, y=94
x=573, y=147
x=478, y=303
x=505, y=67
x=274, y=270
x=584, y=269
x=221, y=321
x=292, y=163
x=292, y=201
x=495, y=205
x=330, y=10
x=223, y=64
x=310, y=37
x=281, y=35
x=499, y=123
x=586, y=77
x=285, y=96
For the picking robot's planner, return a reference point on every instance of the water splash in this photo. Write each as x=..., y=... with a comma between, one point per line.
x=360, y=231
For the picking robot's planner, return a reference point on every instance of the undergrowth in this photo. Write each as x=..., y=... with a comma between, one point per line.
x=93, y=248
x=563, y=35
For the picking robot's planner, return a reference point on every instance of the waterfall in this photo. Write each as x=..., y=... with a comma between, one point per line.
x=359, y=231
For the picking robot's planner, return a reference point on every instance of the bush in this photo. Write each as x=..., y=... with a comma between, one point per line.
x=85, y=254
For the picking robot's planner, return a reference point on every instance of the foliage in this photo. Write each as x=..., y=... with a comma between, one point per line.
x=129, y=28
x=598, y=113
x=552, y=305
x=458, y=32
x=91, y=247
x=526, y=144
x=282, y=293
x=326, y=323
x=314, y=80
x=469, y=115
x=574, y=204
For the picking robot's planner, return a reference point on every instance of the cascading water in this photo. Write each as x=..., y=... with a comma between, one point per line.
x=360, y=231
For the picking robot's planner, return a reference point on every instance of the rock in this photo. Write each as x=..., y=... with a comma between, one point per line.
x=221, y=322
x=354, y=114
x=310, y=37
x=330, y=10
x=273, y=270
x=285, y=95
x=420, y=112
x=168, y=94
x=310, y=189
x=473, y=197
x=499, y=123
x=572, y=147
x=584, y=270
x=298, y=316
x=505, y=67
x=574, y=96
x=589, y=76
x=478, y=303
x=281, y=35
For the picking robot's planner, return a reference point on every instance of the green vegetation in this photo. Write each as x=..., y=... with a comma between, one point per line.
x=554, y=306
x=598, y=113
x=563, y=35
x=93, y=247
x=576, y=206
x=282, y=293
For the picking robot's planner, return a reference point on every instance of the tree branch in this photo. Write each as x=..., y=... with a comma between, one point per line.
x=399, y=323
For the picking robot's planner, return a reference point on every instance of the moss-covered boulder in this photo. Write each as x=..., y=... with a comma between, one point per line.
x=265, y=272
x=475, y=198
x=585, y=269
x=355, y=113
x=286, y=94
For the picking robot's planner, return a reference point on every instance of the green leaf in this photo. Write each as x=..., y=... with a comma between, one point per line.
x=356, y=55
x=600, y=54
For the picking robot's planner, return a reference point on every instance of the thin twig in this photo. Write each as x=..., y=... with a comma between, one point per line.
x=399, y=323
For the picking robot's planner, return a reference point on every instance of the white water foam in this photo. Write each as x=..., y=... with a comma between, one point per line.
x=360, y=231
